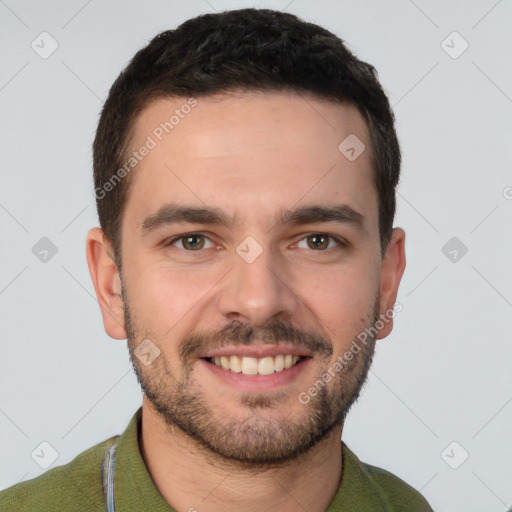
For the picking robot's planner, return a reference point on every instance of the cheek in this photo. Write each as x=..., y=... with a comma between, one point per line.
x=162, y=296
x=342, y=299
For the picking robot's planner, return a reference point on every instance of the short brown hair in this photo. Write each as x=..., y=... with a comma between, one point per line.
x=246, y=49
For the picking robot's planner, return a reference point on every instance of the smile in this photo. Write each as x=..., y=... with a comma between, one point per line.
x=255, y=366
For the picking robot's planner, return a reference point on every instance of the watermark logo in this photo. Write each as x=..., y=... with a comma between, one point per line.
x=454, y=455
x=342, y=361
x=454, y=45
x=146, y=352
x=249, y=250
x=454, y=250
x=44, y=455
x=44, y=250
x=157, y=135
x=351, y=147
x=44, y=45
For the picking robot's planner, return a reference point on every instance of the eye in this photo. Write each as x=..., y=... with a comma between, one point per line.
x=321, y=241
x=192, y=242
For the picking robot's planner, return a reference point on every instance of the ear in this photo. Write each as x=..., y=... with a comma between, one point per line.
x=105, y=277
x=392, y=269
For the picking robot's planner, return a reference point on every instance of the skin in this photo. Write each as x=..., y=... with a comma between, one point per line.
x=252, y=155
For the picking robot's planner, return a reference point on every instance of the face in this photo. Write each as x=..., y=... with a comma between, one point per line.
x=251, y=263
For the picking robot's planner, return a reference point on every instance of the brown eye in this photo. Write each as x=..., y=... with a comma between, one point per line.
x=192, y=242
x=320, y=242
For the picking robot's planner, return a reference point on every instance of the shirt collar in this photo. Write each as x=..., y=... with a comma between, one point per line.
x=135, y=490
x=133, y=487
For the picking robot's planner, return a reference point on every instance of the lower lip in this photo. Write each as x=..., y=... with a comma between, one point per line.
x=258, y=382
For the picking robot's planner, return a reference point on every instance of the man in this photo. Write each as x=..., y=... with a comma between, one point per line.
x=245, y=167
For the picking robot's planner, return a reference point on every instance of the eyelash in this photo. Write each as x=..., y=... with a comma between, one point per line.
x=341, y=243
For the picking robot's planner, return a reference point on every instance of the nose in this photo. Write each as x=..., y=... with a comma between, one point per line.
x=255, y=292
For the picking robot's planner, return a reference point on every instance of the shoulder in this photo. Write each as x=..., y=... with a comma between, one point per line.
x=400, y=494
x=388, y=489
x=75, y=486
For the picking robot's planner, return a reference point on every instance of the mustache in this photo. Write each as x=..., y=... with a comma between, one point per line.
x=238, y=333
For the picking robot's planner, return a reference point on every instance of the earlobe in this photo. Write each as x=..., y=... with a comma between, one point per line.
x=107, y=283
x=392, y=269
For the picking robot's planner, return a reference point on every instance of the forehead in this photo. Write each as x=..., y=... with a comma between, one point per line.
x=250, y=154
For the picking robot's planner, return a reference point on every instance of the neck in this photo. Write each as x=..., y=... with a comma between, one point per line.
x=188, y=480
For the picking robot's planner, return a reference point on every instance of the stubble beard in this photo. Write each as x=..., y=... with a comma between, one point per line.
x=256, y=440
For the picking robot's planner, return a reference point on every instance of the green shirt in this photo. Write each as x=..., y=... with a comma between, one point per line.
x=77, y=486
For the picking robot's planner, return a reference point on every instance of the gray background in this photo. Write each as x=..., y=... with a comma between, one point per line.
x=443, y=376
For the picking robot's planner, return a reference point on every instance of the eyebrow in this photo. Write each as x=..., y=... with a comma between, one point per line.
x=178, y=213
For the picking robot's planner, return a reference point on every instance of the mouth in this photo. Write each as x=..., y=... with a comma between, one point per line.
x=256, y=366
x=258, y=374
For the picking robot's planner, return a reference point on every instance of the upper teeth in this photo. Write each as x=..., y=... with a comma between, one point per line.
x=254, y=366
